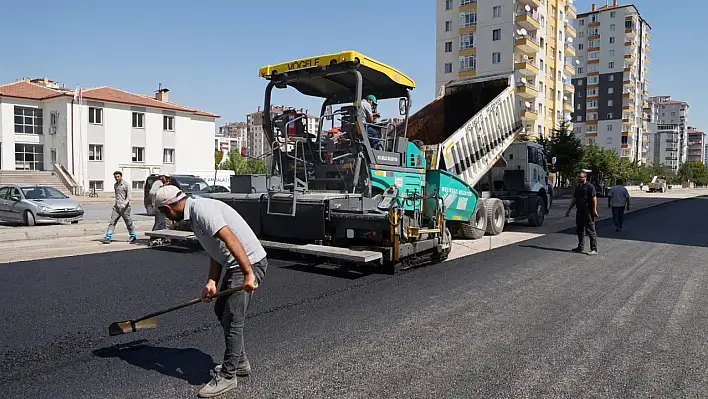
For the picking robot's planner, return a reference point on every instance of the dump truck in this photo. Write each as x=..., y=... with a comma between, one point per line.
x=657, y=184
x=391, y=202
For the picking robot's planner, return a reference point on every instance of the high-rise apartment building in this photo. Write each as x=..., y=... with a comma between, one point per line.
x=696, y=145
x=533, y=37
x=670, y=111
x=610, y=83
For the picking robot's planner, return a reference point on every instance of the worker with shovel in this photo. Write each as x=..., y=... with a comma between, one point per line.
x=231, y=244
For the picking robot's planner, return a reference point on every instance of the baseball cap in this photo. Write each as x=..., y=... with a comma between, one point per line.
x=372, y=98
x=169, y=194
x=164, y=174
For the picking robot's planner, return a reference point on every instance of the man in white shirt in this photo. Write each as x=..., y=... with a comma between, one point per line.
x=618, y=201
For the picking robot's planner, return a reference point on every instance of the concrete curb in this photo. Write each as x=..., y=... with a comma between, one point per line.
x=62, y=231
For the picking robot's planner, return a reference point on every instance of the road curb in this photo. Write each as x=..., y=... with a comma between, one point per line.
x=62, y=231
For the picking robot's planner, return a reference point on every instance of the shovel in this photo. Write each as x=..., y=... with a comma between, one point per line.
x=148, y=321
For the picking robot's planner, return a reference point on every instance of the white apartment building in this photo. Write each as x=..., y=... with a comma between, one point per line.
x=533, y=37
x=43, y=124
x=610, y=83
x=669, y=111
x=662, y=145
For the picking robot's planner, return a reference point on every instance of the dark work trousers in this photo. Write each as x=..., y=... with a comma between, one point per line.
x=618, y=216
x=585, y=224
x=231, y=312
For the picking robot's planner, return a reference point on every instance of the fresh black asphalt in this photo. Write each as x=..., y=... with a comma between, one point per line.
x=526, y=320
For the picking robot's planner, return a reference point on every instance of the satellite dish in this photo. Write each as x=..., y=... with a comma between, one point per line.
x=518, y=32
x=523, y=31
x=570, y=40
x=577, y=62
x=565, y=97
x=527, y=104
x=523, y=80
x=527, y=8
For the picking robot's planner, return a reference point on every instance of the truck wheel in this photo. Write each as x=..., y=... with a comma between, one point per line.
x=476, y=227
x=536, y=220
x=495, y=217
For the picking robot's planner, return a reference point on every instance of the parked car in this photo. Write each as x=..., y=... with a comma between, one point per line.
x=32, y=204
x=191, y=185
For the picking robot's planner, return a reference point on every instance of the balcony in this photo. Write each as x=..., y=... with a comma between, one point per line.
x=527, y=68
x=569, y=50
x=568, y=106
x=647, y=36
x=529, y=114
x=568, y=88
x=528, y=44
x=527, y=91
x=569, y=30
x=531, y=3
x=628, y=94
x=569, y=70
x=528, y=21
x=630, y=57
x=571, y=11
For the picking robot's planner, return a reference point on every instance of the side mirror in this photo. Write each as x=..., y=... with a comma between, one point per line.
x=402, y=106
x=15, y=198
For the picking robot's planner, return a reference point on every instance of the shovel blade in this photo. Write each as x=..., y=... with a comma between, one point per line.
x=129, y=326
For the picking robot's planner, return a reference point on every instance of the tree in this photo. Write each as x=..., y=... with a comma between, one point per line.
x=566, y=148
x=243, y=166
x=694, y=172
x=604, y=164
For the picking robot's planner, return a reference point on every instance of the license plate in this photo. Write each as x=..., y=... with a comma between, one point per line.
x=66, y=220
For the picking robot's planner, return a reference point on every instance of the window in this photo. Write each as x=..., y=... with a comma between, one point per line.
x=578, y=106
x=465, y=2
x=448, y=67
x=168, y=123
x=496, y=34
x=580, y=82
x=612, y=52
x=612, y=14
x=609, y=115
x=628, y=24
x=448, y=5
x=138, y=154
x=592, y=67
x=581, y=34
x=625, y=139
x=609, y=128
x=593, y=80
x=138, y=185
x=578, y=118
x=467, y=41
x=593, y=18
x=95, y=152
x=594, y=43
x=610, y=90
x=468, y=18
x=168, y=155
x=593, y=32
x=612, y=39
x=95, y=115
x=581, y=46
x=592, y=104
x=612, y=27
x=29, y=157
x=580, y=69
x=448, y=26
x=468, y=62
x=593, y=55
x=592, y=92
x=673, y=113
x=28, y=120
x=496, y=11
x=95, y=185
x=138, y=120
x=496, y=58
x=582, y=22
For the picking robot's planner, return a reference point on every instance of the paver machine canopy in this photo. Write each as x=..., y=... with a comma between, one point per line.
x=313, y=160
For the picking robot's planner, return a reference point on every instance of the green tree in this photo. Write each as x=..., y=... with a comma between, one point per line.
x=242, y=165
x=694, y=172
x=604, y=164
x=566, y=148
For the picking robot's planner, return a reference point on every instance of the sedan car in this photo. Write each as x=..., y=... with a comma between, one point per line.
x=32, y=204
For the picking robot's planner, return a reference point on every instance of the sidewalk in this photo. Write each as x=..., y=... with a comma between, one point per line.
x=82, y=229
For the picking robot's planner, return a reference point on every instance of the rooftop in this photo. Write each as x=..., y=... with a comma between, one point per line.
x=32, y=90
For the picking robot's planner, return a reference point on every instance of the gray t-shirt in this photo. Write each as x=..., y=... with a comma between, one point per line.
x=154, y=189
x=207, y=216
x=618, y=196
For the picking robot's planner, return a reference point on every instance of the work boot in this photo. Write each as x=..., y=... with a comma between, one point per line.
x=133, y=239
x=242, y=370
x=593, y=252
x=217, y=386
x=577, y=249
x=107, y=239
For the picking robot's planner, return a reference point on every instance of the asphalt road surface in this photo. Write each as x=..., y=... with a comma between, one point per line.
x=526, y=320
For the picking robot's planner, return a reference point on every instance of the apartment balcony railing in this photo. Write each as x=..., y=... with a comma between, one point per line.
x=571, y=11
x=528, y=44
x=529, y=113
x=528, y=20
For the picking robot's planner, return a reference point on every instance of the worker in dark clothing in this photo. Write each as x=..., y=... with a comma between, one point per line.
x=585, y=201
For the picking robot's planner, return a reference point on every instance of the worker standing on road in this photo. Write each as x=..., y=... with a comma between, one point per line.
x=617, y=200
x=121, y=209
x=231, y=244
x=160, y=219
x=585, y=199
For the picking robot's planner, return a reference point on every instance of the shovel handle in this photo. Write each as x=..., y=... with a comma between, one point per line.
x=190, y=303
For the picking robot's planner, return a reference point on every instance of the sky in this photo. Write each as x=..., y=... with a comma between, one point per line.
x=208, y=53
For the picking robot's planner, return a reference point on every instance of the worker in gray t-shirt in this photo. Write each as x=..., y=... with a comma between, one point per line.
x=618, y=201
x=121, y=209
x=231, y=244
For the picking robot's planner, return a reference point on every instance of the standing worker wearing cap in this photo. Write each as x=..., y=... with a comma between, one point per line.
x=160, y=219
x=231, y=244
x=370, y=117
x=121, y=209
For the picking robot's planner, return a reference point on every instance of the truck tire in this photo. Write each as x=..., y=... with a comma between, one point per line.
x=477, y=226
x=495, y=216
x=536, y=219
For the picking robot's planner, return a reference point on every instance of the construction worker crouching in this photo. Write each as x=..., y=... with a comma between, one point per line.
x=230, y=244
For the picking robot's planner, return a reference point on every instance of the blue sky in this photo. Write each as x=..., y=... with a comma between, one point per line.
x=208, y=53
